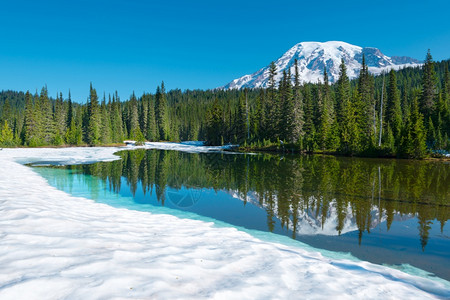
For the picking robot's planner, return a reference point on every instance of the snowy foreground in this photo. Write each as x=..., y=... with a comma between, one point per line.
x=55, y=246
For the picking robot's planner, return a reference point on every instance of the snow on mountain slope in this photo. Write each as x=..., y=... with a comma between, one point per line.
x=313, y=57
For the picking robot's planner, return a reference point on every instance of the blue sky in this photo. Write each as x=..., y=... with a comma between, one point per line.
x=134, y=45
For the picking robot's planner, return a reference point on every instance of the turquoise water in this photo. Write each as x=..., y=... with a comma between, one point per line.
x=383, y=211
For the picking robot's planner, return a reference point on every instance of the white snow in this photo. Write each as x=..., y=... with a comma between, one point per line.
x=380, y=70
x=56, y=246
x=80, y=155
x=187, y=146
x=190, y=146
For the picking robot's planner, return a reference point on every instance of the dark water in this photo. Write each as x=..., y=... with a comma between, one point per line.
x=384, y=211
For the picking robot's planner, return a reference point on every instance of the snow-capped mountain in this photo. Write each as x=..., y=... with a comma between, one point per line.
x=313, y=57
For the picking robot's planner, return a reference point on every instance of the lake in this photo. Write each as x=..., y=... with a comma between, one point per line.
x=385, y=211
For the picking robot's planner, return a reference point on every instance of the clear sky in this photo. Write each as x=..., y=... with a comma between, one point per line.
x=134, y=45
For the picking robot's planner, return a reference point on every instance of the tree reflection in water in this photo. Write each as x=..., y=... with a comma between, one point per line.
x=365, y=191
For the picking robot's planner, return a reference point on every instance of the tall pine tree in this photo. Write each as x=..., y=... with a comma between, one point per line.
x=393, y=108
x=46, y=111
x=366, y=91
x=272, y=105
x=297, y=131
x=93, y=118
x=429, y=86
x=162, y=121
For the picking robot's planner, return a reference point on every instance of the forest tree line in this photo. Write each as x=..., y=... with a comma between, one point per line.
x=404, y=113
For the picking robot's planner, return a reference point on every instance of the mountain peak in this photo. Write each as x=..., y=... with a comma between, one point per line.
x=314, y=57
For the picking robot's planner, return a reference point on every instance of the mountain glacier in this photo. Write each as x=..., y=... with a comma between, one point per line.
x=313, y=57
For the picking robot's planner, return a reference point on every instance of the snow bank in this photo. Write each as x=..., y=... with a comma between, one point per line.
x=83, y=155
x=61, y=156
x=191, y=147
x=57, y=246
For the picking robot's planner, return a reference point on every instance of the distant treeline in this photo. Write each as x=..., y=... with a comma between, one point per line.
x=404, y=113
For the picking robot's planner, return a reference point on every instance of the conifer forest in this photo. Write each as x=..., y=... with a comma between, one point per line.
x=404, y=113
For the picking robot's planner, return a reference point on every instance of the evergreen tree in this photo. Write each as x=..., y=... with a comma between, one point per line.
x=366, y=91
x=105, y=125
x=214, y=125
x=297, y=130
x=343, y=92
x=152, y=132
x=444, y=104
x=413, y=142
x=272, y=105
x=430, y=134
x=93, y=118
x=70, y=136
x=355, y=124
x=6, y=135
x=46, y=112
x=116, y=120
x=143, y=115
x=309, y=139
x=133, y=117
x=326, y=115
x=258, y=121
x=393, y=108
x=446, y=87
x=6, y=113
x=31, y=126
x=440, y=143
x=389, y=141
x=429, y=86
x=74, y=133
x=347, y=116
x=69, y=111
x=288, y=111
x=405, y=104
x=382, y=113
x=174, y=130
x=162, y=121
x=281, y=107
x=59, y=118
x=77, y=125
x=38, y=120
x=241, y=119
x=17, y=131
x=334, y=141
x=229, y=132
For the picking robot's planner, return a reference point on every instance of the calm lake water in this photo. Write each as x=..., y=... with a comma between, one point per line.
x=384, y=211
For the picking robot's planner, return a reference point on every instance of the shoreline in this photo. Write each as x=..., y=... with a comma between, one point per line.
x=273, y=149
x=329, y=153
